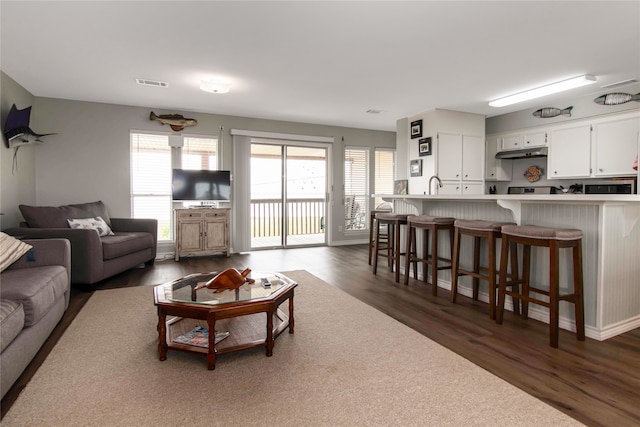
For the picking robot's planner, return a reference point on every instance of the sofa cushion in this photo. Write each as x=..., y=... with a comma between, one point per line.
x=36, y=288
x=96, y=224
x=56, y=217
x=11, y=322
x=11, y=249
x=124, y=243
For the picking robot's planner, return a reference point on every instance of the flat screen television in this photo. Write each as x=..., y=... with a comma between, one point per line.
x=200, y=185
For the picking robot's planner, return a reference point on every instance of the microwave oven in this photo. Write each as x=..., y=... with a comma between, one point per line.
x=627, y=186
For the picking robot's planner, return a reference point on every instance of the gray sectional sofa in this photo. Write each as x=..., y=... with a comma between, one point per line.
x=94, y=257
x=34, y=294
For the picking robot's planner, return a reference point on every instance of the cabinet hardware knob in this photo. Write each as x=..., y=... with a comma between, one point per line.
x=555, y=172
x=601, y=169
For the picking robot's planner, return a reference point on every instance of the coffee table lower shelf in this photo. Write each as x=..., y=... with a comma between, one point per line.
x=245, y=332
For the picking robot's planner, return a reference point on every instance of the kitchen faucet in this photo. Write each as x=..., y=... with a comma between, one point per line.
x=437, y=179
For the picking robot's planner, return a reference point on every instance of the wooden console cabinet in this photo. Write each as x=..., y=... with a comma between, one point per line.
x=202, y=231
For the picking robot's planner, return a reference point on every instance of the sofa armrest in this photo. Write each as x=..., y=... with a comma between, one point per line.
x=86, y=249
x=45, y=252
x=138, y=224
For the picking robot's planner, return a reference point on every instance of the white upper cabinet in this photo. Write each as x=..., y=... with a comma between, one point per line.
x=449, y=156
x=615, y=142
x=569, y=152
x=535, y=139
x=496, y=169
x=460, y=163
x=520, y=140
x=472, y=158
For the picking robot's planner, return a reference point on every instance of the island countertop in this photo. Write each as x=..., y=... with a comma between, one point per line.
x=611, y=243
x=569, y=197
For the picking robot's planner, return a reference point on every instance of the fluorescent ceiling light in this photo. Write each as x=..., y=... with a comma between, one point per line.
x=215, y=86
x=544, y=90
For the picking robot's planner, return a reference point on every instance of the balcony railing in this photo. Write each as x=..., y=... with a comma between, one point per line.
x=304, y=216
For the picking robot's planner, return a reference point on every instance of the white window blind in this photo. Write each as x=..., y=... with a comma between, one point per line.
x=384, y=174
x=151, y=180
x=200, y=153
x=356, y=187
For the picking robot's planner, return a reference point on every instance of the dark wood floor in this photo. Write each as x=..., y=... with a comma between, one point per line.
x=597, y=383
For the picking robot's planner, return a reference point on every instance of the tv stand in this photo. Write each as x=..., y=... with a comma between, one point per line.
x=202, y=231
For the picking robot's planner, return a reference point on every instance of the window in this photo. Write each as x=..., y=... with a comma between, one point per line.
x=151, y=161
x=356, y=188
x=151, y=180
x=384, y=174
x=200, y=153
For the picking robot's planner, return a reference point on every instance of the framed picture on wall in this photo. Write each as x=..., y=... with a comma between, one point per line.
x=424, y=146
x=401, y=186
x=416, y=167
x=416, y=129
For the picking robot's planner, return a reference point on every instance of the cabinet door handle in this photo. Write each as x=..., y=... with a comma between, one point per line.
x=601, y=170
x=555, y=172
x=466, y=176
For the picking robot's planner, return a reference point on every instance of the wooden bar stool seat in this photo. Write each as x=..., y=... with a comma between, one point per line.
x=554, y=239
x=491, y=231
x=392, y=248
x=428, y=224
x=372, y=225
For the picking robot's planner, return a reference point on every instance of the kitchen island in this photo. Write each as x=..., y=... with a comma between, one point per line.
x=611, y=248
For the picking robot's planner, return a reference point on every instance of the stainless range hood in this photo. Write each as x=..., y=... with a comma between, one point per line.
x=524, y=153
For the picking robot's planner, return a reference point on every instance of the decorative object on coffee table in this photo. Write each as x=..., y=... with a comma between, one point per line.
x=228, y=279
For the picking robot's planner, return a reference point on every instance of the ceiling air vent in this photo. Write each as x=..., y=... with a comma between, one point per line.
x=154, y=83
x=375, y=111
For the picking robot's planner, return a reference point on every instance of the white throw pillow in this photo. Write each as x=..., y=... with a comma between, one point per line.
x=98, y=224
x=10, y=250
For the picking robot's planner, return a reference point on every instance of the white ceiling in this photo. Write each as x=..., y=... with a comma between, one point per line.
x=317, y=62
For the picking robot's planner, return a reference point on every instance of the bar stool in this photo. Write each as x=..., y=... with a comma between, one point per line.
x=427, y=224
x=478, y=230
x=554, y=239
x=372, y=224
x=393, y=223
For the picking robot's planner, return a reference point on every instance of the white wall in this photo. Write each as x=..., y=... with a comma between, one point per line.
x=88, y=159
x=17, y=182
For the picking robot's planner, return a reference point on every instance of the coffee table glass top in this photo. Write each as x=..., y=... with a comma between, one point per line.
x=183, y=289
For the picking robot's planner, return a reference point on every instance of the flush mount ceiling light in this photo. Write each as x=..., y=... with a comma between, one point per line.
x=544, y=90
x=215, y=86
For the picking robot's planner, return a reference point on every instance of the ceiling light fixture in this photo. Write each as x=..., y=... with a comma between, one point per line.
x=544, y=90
x=215, y=86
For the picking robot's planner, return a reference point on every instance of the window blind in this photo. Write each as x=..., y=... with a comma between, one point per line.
x=384, y=174
x=151, y=180
x=356, y=187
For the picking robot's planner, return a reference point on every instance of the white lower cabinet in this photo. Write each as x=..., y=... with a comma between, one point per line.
x=457, y=187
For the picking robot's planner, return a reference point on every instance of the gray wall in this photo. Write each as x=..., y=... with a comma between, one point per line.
x=583, y=107
x=17, y=181
x=88, y=159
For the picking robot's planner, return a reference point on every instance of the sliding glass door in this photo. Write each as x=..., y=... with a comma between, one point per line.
x=288, y=194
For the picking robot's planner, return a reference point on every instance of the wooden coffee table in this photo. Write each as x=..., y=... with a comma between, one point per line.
x=250, y=314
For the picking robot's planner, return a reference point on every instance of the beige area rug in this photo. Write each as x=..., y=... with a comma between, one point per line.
x=347, y=364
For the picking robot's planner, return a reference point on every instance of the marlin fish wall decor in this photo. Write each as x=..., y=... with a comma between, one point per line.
x=176, y=121
x=616, y=98
x=545, y=113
